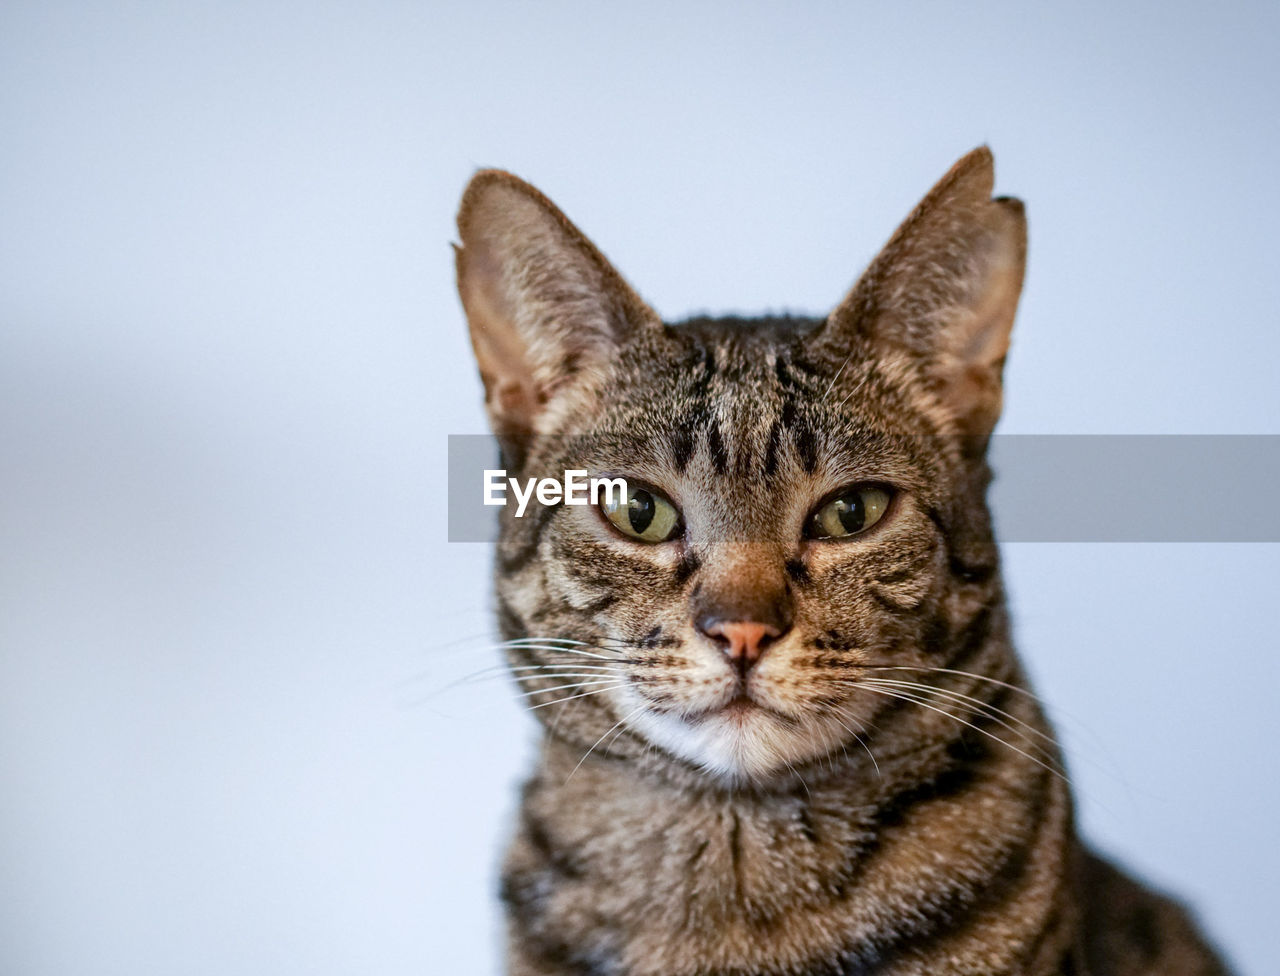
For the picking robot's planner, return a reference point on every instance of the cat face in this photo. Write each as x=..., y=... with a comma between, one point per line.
x=806, y=496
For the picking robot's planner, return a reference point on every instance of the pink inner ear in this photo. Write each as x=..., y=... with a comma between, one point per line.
x=985, y=338
x=543, y=304
x=501, y=352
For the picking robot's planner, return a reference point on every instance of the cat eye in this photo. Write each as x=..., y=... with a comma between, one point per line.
x=644, y=515
x=852, y=511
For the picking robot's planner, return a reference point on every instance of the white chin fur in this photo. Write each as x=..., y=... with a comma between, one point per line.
x=738, y=747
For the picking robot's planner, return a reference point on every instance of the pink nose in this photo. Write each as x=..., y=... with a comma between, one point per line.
x=742, y=640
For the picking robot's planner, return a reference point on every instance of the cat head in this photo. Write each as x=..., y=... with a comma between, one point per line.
x=806, y=496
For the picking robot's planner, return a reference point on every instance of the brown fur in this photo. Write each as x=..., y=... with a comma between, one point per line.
x=805, y=817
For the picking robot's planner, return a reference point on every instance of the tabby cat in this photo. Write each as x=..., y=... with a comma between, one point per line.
x=784, y=728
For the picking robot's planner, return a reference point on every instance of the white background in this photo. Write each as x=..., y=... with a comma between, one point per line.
x=230, y=354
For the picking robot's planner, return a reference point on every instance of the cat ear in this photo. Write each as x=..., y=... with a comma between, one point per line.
x=546, y=310
x=944, y=291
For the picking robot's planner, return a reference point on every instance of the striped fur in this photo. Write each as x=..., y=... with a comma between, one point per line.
x=891, y=801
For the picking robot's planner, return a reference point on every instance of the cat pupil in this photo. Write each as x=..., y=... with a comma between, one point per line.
x=851, y=511
x=640, y=509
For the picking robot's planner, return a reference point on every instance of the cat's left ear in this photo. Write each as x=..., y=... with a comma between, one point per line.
x=547, y=312
x=943, y=292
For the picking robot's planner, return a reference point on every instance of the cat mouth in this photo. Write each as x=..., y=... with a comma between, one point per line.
x=739, y=709
x=739, y=705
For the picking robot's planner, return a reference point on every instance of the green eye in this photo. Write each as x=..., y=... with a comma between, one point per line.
x=644, y=515
x=852, y=511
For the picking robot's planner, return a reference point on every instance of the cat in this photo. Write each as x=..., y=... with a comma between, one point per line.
x=784, y=730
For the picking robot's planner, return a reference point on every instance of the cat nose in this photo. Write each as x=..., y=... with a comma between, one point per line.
x=743, y=641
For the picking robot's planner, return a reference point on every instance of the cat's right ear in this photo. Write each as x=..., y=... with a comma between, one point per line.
x=547, y=312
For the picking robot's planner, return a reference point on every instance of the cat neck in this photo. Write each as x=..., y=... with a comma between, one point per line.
x=664, y=851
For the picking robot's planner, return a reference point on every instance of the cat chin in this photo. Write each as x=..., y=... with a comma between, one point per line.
x=733, y=745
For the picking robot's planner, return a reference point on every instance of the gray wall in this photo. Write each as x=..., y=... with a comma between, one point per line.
x=230, y=355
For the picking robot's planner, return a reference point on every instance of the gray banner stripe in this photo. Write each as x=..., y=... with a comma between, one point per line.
x=1136, y=488
x=1048, y=487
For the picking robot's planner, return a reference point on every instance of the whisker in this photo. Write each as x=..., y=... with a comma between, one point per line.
x=575, y=684
x=550, y=667
x=800, y=778
x=585, y=694
x=475, y=677
x=967, y=674
x=990, y=735
x=596, y=678
x=985, y=706
x=856, y=390
x=568, y=674
x=987, y=710
x=524, y=646
x=862, y=742
x=498, y=670
x=1060, y=716
x=614, y=648
x=832, y=385
x=547, y=638
x=618, y=724
x=567, y=641
x=1017, y=734
x=559, y=666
